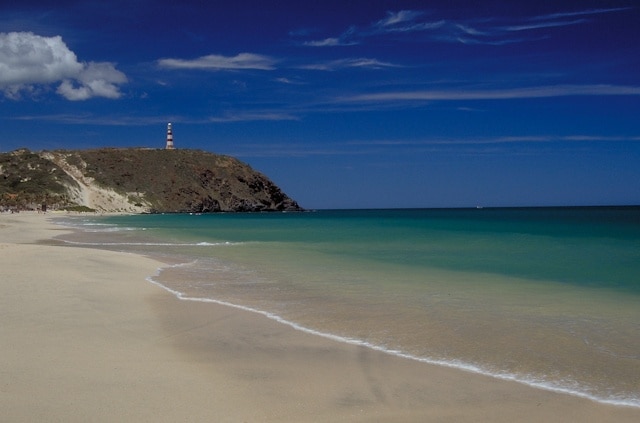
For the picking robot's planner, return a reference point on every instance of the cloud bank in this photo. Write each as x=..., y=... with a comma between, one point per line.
x=28, y=61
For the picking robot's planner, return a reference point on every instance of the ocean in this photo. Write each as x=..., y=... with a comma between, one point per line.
x=549, y=297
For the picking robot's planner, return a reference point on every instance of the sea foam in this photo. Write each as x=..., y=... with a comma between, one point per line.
x=153, y=244
x=567, y=387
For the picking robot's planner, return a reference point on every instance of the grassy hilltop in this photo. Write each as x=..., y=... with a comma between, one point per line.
x=135, y=180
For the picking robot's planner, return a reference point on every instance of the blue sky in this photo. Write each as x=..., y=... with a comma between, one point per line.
x=344, y=104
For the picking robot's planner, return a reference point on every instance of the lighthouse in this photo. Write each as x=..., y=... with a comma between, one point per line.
x=169, y=137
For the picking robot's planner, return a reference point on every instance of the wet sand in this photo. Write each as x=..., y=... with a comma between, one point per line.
x=86, y=338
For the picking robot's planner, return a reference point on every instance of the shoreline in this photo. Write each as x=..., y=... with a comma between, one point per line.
x=188, y=360
x=455, y=365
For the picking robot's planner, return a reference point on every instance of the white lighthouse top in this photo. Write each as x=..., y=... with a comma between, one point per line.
x=169, y=137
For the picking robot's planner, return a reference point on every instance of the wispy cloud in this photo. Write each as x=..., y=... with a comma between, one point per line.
x=92, y=119
x=290, y=81
x=417, y=27
x=508, y=144
x=520, y=139
x=361, y=62
x=548, y=21
x=466, y=29
x=330, y=42
x=138, y=120
x=396, y=18
x=496, y=94
x=605, y=138
x=551, y=24
x=490, y=31
x=289, y=151
x=493, y=41
x=580, y=13
x=216, y=62
x=243, y=116
x=347, y=38
x=457, y=141
x=405, y=21
x=558, y=19
x=500, y=145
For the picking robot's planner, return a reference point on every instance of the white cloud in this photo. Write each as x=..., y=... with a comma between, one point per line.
x=28, y=60
x=95, y=80
x=71, y=92
x=218, y=62
x=327, y=42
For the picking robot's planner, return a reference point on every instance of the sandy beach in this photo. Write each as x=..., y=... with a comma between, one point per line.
x=85, y=337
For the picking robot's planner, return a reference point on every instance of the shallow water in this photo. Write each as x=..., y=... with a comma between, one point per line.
x=549, y=297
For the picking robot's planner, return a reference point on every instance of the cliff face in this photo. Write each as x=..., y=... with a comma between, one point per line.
x=136, y=180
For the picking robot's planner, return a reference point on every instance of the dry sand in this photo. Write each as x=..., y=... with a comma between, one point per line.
x=84, y=337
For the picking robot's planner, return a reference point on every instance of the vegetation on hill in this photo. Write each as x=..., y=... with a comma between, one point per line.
x=27, y=181
x=150, y=180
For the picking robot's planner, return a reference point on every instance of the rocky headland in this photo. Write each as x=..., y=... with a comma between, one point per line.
x=135, y=180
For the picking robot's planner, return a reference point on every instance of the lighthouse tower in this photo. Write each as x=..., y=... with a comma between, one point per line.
x=169, y=137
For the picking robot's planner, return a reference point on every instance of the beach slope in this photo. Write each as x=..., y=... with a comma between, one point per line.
x=85, y=337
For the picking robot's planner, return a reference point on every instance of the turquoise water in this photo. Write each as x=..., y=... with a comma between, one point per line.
x=546, y=296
